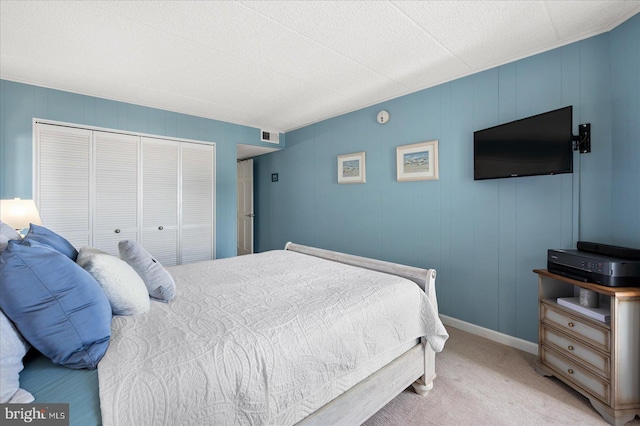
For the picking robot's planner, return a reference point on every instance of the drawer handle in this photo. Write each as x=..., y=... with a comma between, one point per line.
x=160, y=228
x=570, y=324
x=117, y=231
x=570, y=371
x=570, y=347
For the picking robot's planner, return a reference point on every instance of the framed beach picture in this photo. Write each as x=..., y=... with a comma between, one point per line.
x=351, y=168
x=418, y=161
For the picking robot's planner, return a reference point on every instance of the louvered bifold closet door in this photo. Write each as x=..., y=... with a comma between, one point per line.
x=198, y=165
x=160, y=183
x=62, y=182
x=116, y=190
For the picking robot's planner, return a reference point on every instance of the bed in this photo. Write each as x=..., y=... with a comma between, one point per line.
x=294, y=336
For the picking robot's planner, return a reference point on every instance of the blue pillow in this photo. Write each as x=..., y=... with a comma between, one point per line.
x=56, y=305
x=50, y=238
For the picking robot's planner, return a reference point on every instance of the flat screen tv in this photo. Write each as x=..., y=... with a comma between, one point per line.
x=537, y=145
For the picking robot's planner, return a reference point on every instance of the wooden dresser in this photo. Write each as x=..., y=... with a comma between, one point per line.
x=599, y=359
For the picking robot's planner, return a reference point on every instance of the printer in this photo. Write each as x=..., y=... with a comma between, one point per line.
x=602, y=264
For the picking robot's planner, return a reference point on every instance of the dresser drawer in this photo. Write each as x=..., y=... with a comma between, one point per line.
x=572, y=348
x=599, y=336
x=595, y=385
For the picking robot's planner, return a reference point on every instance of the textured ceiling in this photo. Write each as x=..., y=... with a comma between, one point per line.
x=279, y=65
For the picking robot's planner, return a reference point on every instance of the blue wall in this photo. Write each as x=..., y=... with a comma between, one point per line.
x=483, y=237
x=20, y=103
x=625, y=97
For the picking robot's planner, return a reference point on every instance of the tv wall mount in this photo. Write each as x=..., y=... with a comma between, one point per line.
x=582, y=142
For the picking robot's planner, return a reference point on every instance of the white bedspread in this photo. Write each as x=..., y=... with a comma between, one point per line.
x=259, y=339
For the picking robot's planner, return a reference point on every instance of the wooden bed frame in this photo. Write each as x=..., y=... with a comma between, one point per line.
x=356, y=405
x=415, y=366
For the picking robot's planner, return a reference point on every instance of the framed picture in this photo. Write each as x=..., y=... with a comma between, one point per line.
x=351, y=168
x=418, y=161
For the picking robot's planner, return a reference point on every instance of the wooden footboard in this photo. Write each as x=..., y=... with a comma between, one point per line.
x=416, y=366
x=366, y=398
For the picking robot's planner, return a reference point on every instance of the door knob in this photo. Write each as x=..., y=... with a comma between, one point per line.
x=250, y=215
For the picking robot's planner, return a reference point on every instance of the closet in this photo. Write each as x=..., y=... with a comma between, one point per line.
x=98, y=187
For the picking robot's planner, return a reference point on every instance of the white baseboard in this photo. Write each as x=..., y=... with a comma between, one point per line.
x=514, y=342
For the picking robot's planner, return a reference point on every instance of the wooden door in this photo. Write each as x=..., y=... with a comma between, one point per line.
x=63, y=181
x=160, y=201
x=116, y=190
x=245, y=213
x=197, y=230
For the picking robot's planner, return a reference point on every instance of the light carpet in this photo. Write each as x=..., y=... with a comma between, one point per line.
x=481, y=382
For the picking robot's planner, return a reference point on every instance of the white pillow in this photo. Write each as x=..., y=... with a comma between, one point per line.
x=86, y=253
x=7, y=233
x=159, y=282
x=12, y=349
x=123, y=287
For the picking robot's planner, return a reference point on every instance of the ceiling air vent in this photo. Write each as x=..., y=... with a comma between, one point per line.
x=271, y=137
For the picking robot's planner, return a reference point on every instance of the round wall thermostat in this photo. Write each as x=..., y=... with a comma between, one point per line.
x=383, y=117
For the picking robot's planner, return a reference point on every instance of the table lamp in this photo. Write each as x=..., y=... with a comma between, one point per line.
x=19, y=213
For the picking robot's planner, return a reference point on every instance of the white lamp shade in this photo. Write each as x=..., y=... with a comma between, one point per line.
x=19, y=213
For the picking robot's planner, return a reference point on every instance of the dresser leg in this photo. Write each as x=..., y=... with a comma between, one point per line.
x=615, y=419
x=542, y=371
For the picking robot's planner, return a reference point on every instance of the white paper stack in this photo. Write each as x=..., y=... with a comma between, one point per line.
x=601, y=314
